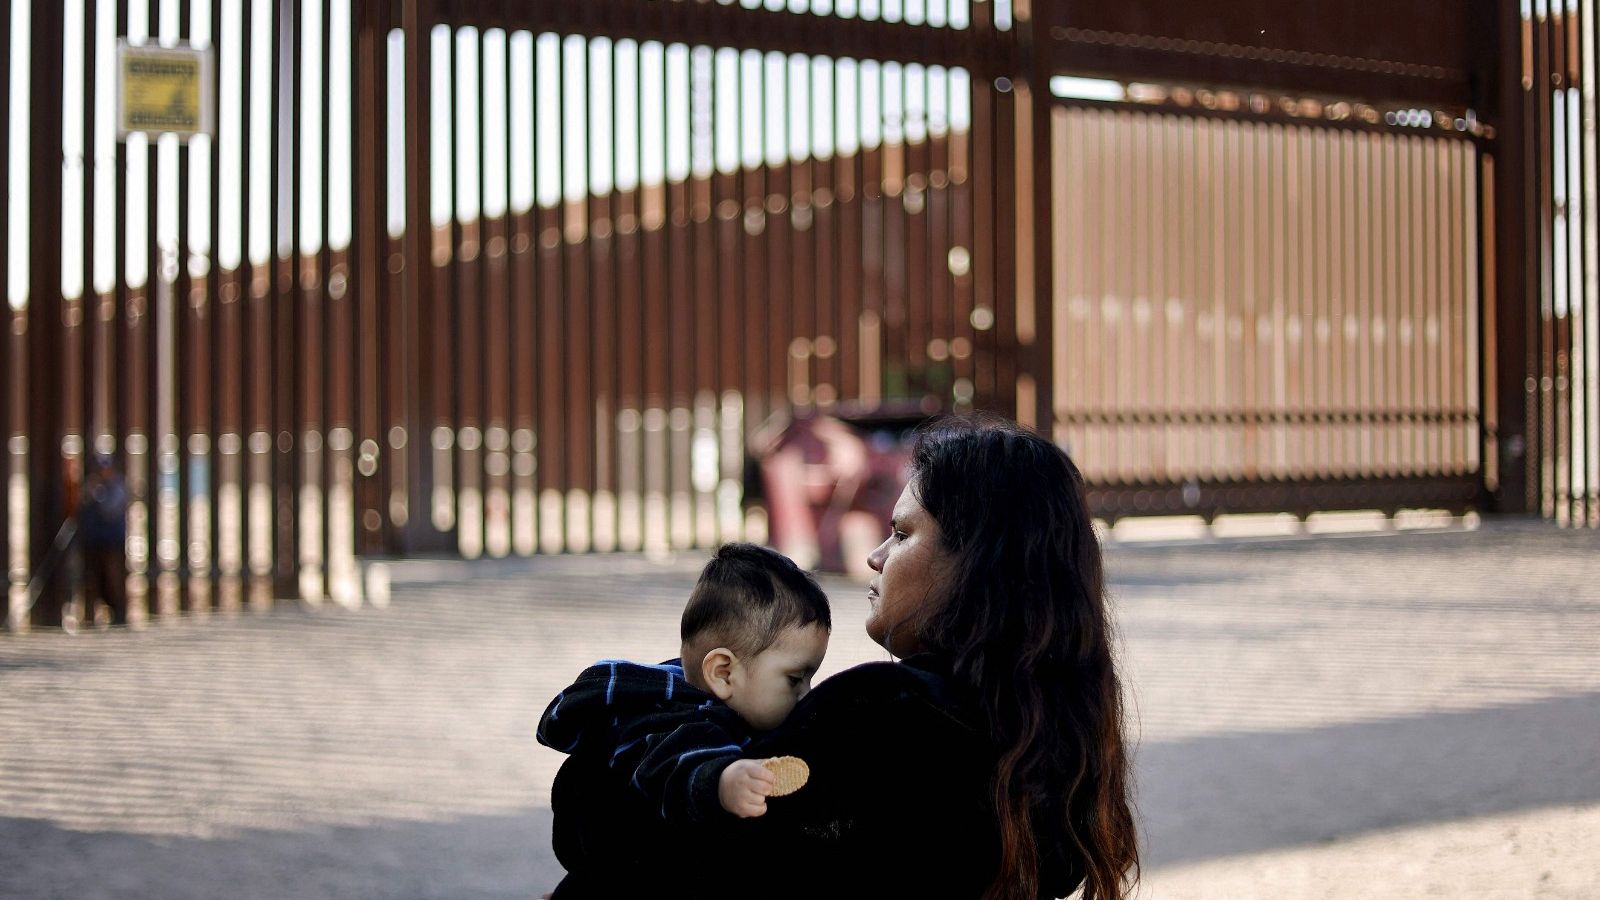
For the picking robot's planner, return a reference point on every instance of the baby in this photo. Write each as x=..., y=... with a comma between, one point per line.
x=662, y=743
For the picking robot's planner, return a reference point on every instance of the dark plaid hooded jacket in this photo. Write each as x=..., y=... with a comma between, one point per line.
x=646, y=750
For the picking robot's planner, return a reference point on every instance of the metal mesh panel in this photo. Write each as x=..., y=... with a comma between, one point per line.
x=1254, y=302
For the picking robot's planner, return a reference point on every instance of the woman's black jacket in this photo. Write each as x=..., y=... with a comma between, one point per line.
x=898, y=805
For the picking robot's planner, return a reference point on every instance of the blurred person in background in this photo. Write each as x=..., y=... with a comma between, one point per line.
x=103, y=528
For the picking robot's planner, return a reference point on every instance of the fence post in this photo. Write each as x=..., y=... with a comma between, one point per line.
x=1036, y=318
x=367, y=250
x=1508, y=364
x=9, y=387
x=418, y=534
x=46, y=414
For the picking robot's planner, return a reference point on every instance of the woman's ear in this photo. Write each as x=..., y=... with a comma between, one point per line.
x=716, y=669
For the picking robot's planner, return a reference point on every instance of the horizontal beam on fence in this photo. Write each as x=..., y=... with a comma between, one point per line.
x=980, y=49
x=1419, y=49
x=1301, y=495
x=1268, y=416
x=1276, y=116
x=1107, y=54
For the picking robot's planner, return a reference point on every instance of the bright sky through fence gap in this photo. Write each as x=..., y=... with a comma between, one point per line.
x=397, y=133
x=720, y=109
x=17, y=195
x=72, y=150
x=494, y=123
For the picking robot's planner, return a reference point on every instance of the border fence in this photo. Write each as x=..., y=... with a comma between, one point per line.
x=498, y=278
x=1562, y=249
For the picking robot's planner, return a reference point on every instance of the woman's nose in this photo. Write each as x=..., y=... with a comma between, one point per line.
x=876, y=557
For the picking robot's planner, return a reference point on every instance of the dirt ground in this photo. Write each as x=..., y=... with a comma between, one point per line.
x=1403, y=715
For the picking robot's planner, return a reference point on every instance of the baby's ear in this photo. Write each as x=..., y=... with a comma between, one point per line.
x=716, y=669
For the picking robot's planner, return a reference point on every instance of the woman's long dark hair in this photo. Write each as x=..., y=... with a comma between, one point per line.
x=1025, y=625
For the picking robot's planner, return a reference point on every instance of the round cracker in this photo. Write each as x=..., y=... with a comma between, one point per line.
x=792, y=772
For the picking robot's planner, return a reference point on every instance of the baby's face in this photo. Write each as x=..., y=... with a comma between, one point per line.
x=766, y=687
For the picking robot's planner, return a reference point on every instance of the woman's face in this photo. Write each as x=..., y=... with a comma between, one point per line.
x=913, y=567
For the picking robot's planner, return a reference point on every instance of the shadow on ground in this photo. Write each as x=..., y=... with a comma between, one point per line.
x=1246, y=792
x=474, y=858
x=1198, y=799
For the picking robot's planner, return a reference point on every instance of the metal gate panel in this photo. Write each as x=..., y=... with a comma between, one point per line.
x=1250, y=303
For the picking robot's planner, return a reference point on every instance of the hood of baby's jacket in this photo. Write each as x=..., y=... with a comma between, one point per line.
x=606, y=696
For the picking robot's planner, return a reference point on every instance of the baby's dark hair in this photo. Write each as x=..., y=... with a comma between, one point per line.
x=747, y=595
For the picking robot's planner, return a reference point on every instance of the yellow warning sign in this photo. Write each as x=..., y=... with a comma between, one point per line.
x=164, y=90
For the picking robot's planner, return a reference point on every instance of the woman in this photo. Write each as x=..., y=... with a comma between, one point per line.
x=989, y=762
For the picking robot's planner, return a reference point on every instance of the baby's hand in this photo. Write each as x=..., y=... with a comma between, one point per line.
x=744, y=787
